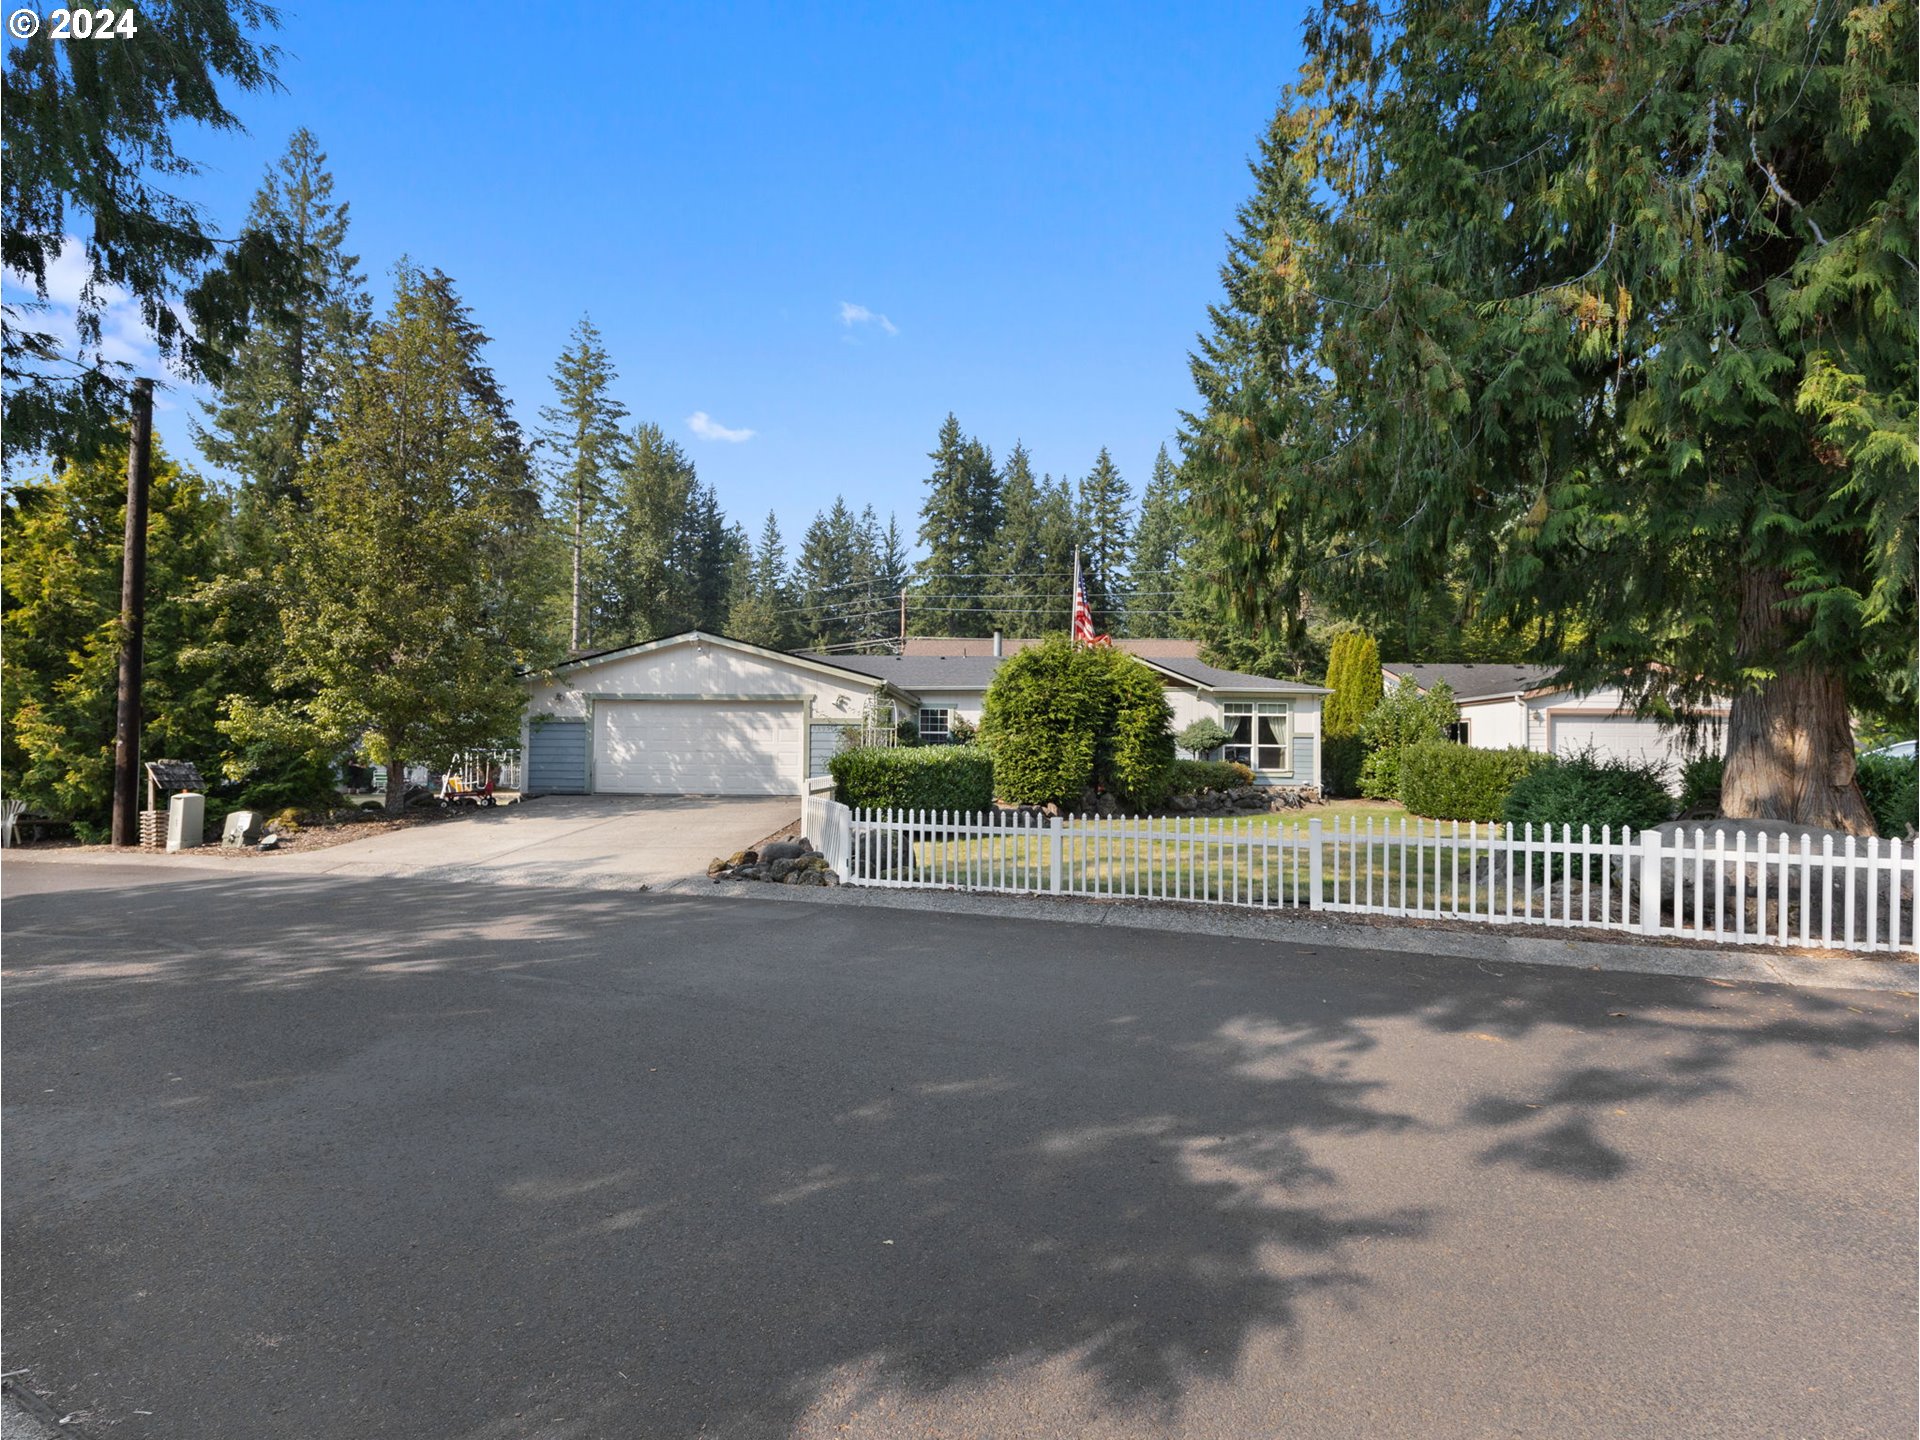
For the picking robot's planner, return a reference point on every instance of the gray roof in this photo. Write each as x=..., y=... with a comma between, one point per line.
x=1474, y=682
x=1146, y=647
x=975, y=672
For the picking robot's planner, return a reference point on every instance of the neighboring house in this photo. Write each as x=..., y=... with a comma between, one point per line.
x=1275, y=724
x=704, y=714
x=1508, y=706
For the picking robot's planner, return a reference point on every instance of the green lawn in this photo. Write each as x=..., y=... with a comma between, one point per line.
x=1347, y=810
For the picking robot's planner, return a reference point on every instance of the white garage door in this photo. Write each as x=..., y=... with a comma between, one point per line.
x=665, y=747
x=1621, y=737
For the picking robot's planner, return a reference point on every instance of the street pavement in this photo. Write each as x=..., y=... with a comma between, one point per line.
x=319, y=1156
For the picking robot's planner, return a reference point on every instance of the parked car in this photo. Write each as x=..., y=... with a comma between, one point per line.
x=1899, y=750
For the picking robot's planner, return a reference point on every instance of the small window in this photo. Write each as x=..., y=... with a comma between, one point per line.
x=933, y=727
x=1457, y=732
x=1260, y=736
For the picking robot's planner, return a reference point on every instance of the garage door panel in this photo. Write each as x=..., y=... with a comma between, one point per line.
x=675, y=748
x=1628, y=738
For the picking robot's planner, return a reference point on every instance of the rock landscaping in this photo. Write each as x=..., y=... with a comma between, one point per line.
x=779, y=862
x=1244, y=800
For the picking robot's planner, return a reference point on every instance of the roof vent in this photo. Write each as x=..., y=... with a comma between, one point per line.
x=997, y=651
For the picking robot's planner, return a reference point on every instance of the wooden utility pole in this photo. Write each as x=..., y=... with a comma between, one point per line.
x=133, y=622
x=903, y=619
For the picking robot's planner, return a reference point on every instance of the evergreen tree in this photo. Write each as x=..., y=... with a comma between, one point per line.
x=274, y=405
x=958, y=523
x=395, y=625
x=89, y=154
x=1106, y=543
x=762, y=613
x=1031, y=560
x=1353, y=675
x=60, y=632
x=825, y=578
x=586, y=448
x=1649, y=377
x=1159, y=551
x=646, y=587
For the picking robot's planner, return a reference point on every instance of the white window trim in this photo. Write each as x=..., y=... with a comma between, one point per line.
x=1275, y=709
x=944, y=733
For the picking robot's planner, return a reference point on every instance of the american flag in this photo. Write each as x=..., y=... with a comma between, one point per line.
x=1082, y=616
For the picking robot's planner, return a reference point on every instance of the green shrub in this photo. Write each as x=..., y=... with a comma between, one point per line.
x=1060, y=718
x=961, y=731
x=918, y=777
x=1402, y=718
x=1202, y=736
x=1353, y=675
x=1584, y=790
x=1445, y=781
x=1892, y=790
x=1197, y=777
x=907, y=731
x=1700, y=783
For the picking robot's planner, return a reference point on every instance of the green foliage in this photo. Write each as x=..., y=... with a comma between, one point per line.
x=90, y=131
x=1700, y=783
x=1031, y=558
x=1892, y=790
x=585, y=451
x=396, y=614
x=1199, y=777
x=1202, y=736
x=1585, y=790
x=849, y=576
x=1403, y=717
x=1060, y=718
x=1353, y=675
x=1445, y=781
x=925, y=777
x=1106, y=544
x=1606, y=320
x=958, y=523
x=669, y=561
x=762, y=608
x=962, y=731
x=60, y=637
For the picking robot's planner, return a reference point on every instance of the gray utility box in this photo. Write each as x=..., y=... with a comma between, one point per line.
x=186, y=820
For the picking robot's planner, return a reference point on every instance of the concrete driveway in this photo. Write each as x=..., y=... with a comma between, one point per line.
x=599, y=841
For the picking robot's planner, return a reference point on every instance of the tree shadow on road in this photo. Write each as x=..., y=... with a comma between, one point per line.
x=574, y=1163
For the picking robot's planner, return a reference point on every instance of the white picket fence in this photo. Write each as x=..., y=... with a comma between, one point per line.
x=1771, y=890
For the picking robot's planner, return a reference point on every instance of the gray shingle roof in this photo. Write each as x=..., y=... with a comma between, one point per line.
x=1474, y=682
x=975, y=672
x=1147, y=647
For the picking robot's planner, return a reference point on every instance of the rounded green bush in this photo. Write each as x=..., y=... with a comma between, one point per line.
x=1891, y=787
x=1583, y=789
x=1059, y=718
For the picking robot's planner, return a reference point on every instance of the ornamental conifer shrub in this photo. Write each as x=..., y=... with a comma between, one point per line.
x=1061, y=718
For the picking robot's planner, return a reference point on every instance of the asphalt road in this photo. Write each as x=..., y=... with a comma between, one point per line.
x=314, y=1157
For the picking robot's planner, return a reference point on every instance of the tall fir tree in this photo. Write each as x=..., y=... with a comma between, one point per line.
x=1106, y=543
x=1160, y=545
x=762, y=612
x=1716, y=340
x=831, y=596
x=585, y=452
x=958, y=521
x=274, y=406
x=1031, y=560
x=395, y=626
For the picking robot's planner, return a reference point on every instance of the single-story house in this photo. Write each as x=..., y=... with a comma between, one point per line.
x=1518, y=706
x=704, y=714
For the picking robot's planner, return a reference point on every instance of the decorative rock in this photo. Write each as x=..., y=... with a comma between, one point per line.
x=808, y=877
x=715, y=866
x=742, y=857
x=784, y=850
x=782, y=866
x=813, y=860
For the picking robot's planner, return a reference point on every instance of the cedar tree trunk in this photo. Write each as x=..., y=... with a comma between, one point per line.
x=1789, y=742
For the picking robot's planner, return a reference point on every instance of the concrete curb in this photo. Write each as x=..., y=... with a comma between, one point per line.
x=1294, y=928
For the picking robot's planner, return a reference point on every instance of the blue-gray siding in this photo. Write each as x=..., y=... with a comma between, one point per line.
x=557, y=758
x=823, y=743
x=1303, y=759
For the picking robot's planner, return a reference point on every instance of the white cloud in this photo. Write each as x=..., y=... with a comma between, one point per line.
x=123, y=332
x=708, y=428
x=852, y=315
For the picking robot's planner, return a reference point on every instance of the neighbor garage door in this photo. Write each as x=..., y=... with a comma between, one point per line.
x=1617, y=737
x=682, y=747
x=557, y=758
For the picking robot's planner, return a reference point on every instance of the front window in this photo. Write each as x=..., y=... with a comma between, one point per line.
x=933, y=727
x=1457, y=732
x=1260, y=735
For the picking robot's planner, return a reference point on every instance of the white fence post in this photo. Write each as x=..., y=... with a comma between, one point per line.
x=1314, y=873
x=1054, y=842
x=1650, y=886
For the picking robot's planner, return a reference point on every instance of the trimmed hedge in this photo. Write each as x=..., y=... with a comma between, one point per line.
x=1585, y=790
x=1197, y=777
x=1445, y=781
x=1892, y=790
x=918, y=777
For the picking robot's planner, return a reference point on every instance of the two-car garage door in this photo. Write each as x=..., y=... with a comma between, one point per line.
x=669, y=747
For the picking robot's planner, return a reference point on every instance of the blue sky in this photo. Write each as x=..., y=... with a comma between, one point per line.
x=1034, y=197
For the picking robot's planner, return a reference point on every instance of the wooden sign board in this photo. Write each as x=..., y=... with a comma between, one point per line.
x=175, y=775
